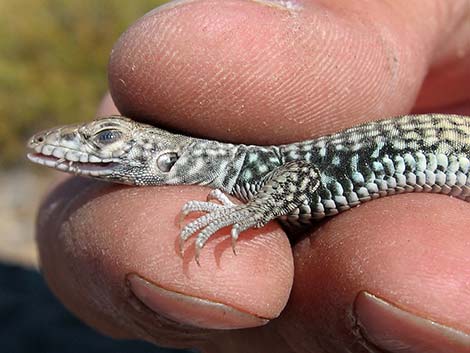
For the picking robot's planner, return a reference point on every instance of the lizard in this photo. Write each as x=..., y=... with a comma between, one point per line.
x=297, y=183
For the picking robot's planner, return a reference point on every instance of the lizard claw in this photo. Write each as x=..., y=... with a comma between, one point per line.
x=181, y=246
x=235, y=232
x=181, y=219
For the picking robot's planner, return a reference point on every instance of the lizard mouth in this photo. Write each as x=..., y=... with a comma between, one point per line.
x=94, y=169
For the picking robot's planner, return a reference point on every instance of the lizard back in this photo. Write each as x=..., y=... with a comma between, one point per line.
x=413, y=153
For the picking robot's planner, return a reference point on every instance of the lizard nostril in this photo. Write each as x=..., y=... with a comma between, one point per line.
x=40, y=139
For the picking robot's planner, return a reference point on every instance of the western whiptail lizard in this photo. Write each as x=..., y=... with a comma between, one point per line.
x=297, y=182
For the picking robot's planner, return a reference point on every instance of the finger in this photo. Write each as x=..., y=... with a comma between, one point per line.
x=404, y=251
x=111, y=254
x=446, y=85
x=293, y=70
x=454, y=77
x=107, y=106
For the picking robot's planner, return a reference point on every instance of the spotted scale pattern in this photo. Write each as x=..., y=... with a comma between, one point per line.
x=422, y=153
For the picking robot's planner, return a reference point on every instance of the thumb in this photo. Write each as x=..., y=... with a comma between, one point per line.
x=294, y=70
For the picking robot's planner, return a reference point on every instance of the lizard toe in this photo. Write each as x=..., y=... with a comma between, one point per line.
x=219, y=195
x=197, y=206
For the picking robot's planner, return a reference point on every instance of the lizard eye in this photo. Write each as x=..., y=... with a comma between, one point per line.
x=106, y=137
x=166, y=161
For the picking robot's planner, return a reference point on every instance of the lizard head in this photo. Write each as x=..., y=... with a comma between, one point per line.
x=113, y=148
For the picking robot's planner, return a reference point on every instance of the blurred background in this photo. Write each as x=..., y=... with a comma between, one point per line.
x=53, y=57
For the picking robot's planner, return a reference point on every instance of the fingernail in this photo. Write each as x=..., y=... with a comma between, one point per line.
x=385, y=326
x=190, y=310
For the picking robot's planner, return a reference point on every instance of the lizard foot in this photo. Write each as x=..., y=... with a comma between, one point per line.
x=218, y=216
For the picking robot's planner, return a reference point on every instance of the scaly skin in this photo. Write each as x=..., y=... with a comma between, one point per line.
x=297, y=183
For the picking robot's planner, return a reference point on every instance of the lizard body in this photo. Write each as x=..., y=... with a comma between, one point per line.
x=298, y=182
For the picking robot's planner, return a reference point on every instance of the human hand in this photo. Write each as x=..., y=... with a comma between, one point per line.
x=268, y=73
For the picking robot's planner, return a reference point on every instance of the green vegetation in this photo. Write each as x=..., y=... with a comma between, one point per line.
x=53, y=57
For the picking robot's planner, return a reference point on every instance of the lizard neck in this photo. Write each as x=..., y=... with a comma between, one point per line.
x=210, y=163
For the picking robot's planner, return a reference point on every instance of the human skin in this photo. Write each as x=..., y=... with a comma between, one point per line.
x=390, y=275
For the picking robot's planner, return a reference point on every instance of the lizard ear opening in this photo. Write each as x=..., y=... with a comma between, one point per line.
x=166, y=161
